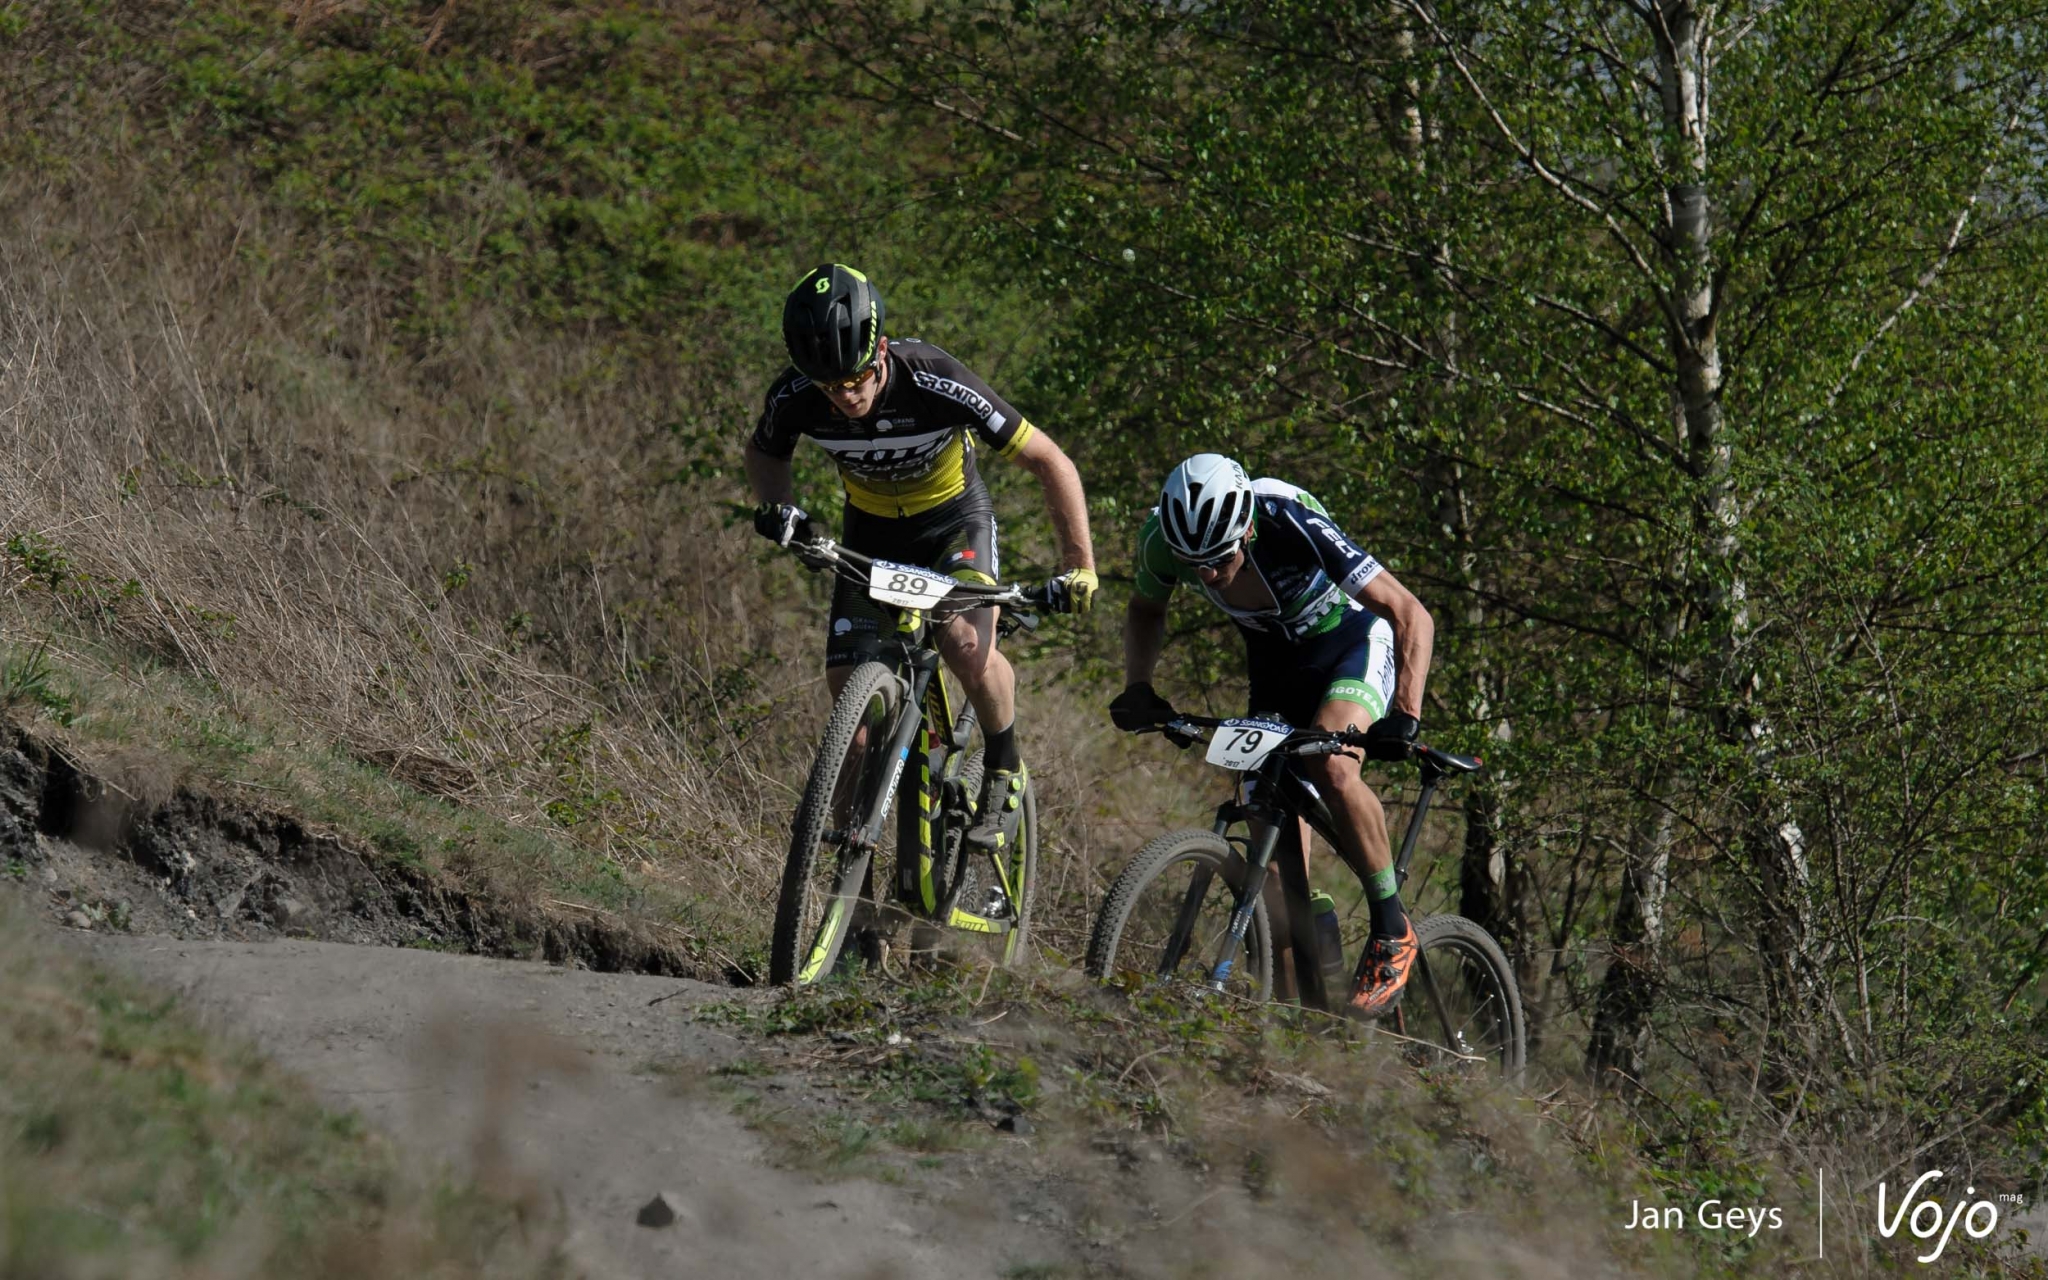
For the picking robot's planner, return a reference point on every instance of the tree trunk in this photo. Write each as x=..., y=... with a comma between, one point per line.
x=1492, y=888
x=1629, y=989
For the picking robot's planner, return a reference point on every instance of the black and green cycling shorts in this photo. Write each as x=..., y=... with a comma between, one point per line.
x=956, y=538
x=1351, y=662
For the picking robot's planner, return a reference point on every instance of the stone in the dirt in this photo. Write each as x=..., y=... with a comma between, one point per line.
x=660, y=1211
x=287, y=910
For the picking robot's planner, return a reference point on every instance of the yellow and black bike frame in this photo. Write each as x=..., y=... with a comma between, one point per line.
x=932, y=750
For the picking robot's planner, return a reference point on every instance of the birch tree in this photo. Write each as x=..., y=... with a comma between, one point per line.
x=1637, y=363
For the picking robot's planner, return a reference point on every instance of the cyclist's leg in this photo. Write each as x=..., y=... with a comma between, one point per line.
x=968, y=646
x=967, y=549
x=1358, y=696
x=1361, y=680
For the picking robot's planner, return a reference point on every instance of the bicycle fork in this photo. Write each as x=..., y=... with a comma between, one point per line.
x=909, y=721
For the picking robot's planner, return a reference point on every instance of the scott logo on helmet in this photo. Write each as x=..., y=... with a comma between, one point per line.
x=1926, y=1219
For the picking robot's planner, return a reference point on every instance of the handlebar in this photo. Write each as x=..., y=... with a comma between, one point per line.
x=1186, y=730
x=848, y=563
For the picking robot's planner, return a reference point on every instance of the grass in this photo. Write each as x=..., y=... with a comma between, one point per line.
x=382, y=471
x=155, y=728
x=1149, y=1103
x=133, y=1143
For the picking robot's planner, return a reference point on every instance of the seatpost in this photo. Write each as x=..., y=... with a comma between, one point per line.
x=1430, y=776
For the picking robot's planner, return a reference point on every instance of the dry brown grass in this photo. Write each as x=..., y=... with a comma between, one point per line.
x=474, y=567
x=467, y=570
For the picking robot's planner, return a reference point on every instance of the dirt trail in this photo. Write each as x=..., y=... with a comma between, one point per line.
x=570, y=1086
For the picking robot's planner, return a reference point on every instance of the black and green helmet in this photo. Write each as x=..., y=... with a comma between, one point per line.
x=832, y=323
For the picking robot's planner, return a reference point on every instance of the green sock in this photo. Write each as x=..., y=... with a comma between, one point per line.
x=1383, y=903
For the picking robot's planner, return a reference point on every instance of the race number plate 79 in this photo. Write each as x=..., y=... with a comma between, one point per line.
x=1245, y=744
x=906, y=586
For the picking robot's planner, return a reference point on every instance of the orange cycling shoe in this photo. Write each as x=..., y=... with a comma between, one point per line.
x=1387, y=962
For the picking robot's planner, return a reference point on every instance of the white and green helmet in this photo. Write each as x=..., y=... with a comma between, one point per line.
x=1205, y=507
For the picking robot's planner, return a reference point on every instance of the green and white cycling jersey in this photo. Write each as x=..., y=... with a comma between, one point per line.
x=1301, y=555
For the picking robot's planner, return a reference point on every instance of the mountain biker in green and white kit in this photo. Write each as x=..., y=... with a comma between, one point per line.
x=1331, y=641
x=901, y=419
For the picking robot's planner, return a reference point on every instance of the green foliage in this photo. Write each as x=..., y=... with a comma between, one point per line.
x=1726, y=535
x=49, y=568
x=26, y=679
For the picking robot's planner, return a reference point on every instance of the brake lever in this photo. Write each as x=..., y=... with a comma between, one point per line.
x=1012, y=622
x=818, y=555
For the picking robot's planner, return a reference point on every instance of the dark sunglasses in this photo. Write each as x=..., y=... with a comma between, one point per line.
x=1216, y=561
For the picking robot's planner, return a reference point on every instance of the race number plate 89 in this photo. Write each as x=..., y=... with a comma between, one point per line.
x=906, y=586
x=1245, y=744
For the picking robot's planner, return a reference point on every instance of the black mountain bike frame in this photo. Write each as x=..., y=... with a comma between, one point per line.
x=1275, y=795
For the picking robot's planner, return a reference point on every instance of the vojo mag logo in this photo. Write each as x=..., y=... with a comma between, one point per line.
x=1930, y=1219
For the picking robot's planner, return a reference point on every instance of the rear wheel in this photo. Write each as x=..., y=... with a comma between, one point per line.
x=1462, y=1006
x=1167, y=914
x=825, y=898
x=1022, y=874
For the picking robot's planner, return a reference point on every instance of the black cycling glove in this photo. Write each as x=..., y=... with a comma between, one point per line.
x=783, y=523
x=793, y=527
x=1139, y=707
x=1392, y=736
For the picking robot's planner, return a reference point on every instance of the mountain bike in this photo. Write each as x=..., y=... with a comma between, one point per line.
x=1190, y=907
x=894, y=722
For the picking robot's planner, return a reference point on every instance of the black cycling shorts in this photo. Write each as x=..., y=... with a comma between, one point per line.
x=1351, y=662
x=956, y=538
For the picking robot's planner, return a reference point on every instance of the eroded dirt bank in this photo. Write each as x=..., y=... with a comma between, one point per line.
x=101, y=856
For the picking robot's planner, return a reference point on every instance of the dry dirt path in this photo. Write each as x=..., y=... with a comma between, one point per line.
x=570, y=1085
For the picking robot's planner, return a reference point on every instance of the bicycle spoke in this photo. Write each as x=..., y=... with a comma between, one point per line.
x=1171, y=918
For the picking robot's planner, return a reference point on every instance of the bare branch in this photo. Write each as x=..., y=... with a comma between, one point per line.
x=1554, y=180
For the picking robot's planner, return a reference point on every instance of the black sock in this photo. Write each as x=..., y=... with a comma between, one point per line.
x=1388, y=919
x=1001, y=749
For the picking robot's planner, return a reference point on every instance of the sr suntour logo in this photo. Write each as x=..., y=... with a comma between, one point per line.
x=960, y=394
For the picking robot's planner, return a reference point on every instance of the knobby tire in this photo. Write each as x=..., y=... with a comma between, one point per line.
x=1116, y=945
x=810, y=887
x=1477, y=983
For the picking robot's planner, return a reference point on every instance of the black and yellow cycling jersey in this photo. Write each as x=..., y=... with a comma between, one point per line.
x=915, y=450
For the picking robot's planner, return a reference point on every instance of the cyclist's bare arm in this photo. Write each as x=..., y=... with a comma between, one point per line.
x=769, y=476
x=1064, y=499
x=1144, y=637
x=1414, y=637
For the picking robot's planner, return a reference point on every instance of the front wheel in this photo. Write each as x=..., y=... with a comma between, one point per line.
x=825, y=893
x=1463, y=1005
x=1166, y=917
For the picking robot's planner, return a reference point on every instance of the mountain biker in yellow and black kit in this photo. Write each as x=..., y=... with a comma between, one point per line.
x=902, y=420
x=1331, y=641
